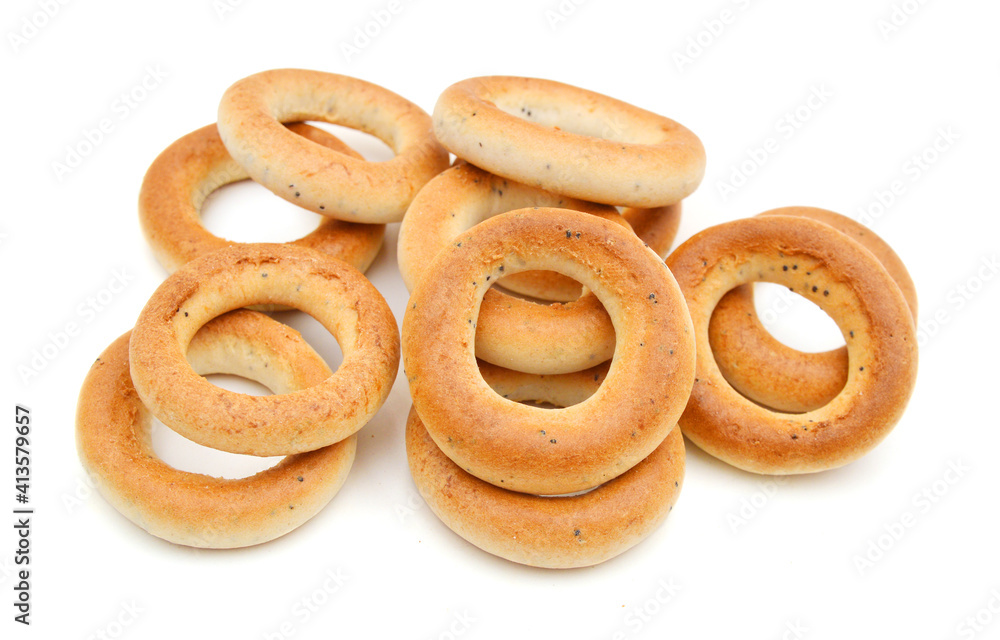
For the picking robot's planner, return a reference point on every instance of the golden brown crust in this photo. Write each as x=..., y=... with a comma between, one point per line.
x=185, y=173
x=333, y=292
x=317, y=178
x=113, y=441
x=569, y=140
x=657, y=227
x=767, y=371
x=459, y=198
x=571, y=337
x=531, y=449
x=846, y=281
x=553, y=532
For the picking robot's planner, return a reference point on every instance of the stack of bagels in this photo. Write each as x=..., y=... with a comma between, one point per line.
x=554, y=359
x=533, y=200
x=206, y=317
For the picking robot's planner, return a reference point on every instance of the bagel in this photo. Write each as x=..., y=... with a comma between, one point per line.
x=552, y=532
x=569, y=141
x=844, y=279
x=530, y=449
x=115, y=448
x=318, y=178
x=333, y=292
x=767, y=371
x=185, y=173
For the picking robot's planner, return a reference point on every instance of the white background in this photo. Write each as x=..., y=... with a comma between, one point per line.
x=745, y=557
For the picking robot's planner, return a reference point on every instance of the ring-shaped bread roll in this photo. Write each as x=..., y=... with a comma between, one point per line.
x=569, y=140
x=530, y=449
x=558, y=532
x=844, y=279
x=771, y=373
x=185, y=173
x=193, y=509
x=334, y=293
x=320, y=179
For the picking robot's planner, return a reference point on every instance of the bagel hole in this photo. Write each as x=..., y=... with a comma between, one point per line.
x=541, y=404
x=187, y=455
x=372, y=148
x=584, y=360
x=542, y=288
x=319, y=337
x=543, y=392
x=795, y=321
x=245, y=211
x=558, y=399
